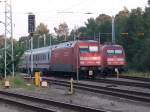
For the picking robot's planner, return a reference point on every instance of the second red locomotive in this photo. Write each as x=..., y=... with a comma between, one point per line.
x=113, y=58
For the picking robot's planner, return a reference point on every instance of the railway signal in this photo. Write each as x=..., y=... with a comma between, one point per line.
x=31, y=30
x=31, y=23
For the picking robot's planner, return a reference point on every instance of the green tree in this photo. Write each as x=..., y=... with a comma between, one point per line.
x=91, y=26
x=42, y=29
x=62, y=32
x=2, y=41
x=40, y=36
x=102, y=24
x=134, y=27
x=120, y=25
x=18, y=52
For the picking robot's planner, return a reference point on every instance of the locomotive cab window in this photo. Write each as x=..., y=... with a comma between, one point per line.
x=118, y=52
x=114, y=52
x=88, y=49
x=110, y=52
x=84, y=50
x=93, y=48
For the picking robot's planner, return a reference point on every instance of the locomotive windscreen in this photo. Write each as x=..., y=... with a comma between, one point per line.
x=88, y=49
x=114, y=52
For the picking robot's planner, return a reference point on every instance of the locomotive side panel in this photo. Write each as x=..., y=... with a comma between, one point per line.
x=62, y=59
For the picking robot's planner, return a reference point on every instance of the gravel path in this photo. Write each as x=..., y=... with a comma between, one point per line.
x=86, y=99
x=9, y=108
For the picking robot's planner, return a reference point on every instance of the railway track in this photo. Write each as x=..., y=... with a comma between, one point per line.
x=137, y=83
x=121, y=82
x=131, y=95
x=42, y=105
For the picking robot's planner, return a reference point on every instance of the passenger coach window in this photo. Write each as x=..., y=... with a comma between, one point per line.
x=48, y=56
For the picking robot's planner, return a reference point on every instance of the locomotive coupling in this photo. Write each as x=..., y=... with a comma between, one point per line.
x=71, y=87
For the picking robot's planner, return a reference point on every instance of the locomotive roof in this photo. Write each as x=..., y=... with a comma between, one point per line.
x=39, y=50
x=61, y=45
x=70, y=44
x=111, y=45
x=114, y=45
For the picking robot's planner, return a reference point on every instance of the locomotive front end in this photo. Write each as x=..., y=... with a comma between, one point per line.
x=114, y=58
x=89, y=59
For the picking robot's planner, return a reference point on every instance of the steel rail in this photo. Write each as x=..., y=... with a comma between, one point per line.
x=136, y=78
x=25, y=105
x=78, y=108
x=125, y=83
x=132, y=95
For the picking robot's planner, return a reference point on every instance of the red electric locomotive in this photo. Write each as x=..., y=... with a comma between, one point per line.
x=113, y=58
x=76, y=56
x=69, y=57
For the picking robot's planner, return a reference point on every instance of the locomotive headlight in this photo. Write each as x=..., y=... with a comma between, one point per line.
x=110, y=59
x=98, y=62
x=90, y=58
x=109, y=63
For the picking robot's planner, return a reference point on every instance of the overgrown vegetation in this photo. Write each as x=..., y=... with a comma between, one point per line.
x=138, y=74
x=18, y=51
x=18, y=82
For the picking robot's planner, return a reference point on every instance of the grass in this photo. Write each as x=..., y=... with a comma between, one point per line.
x=19, y=82
x=138, y=74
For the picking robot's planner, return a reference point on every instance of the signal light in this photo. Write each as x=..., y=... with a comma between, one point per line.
x=31, y=23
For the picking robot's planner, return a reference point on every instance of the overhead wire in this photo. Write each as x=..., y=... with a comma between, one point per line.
x=74, y=5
